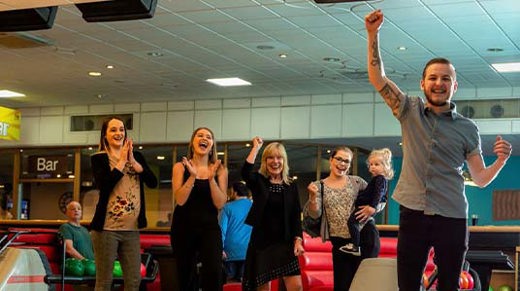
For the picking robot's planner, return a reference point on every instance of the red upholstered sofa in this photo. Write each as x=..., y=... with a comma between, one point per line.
x=46, y=240
x=316, y=263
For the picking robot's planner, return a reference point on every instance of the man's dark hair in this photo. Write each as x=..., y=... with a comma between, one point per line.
x=435, y=61
x=241, y=189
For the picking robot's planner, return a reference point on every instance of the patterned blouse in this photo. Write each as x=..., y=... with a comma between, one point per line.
x=124, y=202
x=339, y=204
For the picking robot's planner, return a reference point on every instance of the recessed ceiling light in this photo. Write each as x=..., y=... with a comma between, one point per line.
x=265, y=47
x=227, y=82
x=160, y=158
x=155, y=54
x=109, y=66
x=65, y=51
x=507, y=67
x=10, y=94
x=402, y=48
x=94, y=74
x=282, y=56
x=330, y=59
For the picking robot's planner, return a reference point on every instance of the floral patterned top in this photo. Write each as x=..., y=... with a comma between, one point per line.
x=124, y=202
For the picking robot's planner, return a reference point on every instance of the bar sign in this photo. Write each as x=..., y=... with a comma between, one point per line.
x=48, y=164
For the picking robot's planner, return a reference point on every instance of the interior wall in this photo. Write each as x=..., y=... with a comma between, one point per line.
x=479, y=199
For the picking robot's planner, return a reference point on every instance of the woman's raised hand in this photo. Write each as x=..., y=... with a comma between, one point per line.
x=130, y=144
x=213, y=169
x=313, y=191
x=125, y=151
x=187, y=163
x=257, y=142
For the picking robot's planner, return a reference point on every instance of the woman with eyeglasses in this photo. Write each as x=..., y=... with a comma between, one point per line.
x=339, y=193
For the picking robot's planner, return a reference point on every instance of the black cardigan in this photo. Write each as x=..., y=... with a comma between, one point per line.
x=105, y=181
x=259, y=186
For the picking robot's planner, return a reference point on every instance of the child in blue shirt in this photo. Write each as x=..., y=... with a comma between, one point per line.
x=235, y=233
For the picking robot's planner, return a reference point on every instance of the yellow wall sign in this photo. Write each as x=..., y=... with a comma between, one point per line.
x=9, y=123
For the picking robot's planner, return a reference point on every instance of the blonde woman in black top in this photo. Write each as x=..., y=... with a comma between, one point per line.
x=276, y=238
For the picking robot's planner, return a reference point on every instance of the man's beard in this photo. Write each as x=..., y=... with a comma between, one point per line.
x=435, y=103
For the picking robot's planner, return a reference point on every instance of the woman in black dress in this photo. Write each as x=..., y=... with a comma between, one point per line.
x=276, y=239
x=199, y=184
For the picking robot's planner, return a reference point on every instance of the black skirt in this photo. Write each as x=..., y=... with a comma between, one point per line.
x=264, y=265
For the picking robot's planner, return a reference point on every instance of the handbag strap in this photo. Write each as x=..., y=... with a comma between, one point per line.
x=321, y=194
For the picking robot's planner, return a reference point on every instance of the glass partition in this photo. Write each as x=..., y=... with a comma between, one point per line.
x=6, y=184
x=48, y=179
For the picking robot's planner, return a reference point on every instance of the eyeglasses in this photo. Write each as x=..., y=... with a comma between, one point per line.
x=341, y=160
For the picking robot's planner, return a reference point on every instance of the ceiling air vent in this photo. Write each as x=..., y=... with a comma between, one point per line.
x=496, y=111
x=94, y=122
x=335, y=1
x=468, y=111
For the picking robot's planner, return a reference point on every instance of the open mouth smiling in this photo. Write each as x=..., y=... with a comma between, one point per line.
x=118, y=137
x=203, y=145
x=438, y=91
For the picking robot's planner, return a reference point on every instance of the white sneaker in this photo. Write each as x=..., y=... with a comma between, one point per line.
x=350, y=249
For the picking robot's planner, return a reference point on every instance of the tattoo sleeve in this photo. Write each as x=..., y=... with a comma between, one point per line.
x=376, y=60
x=391, y=97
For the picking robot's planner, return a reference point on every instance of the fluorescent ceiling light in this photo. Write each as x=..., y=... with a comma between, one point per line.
x=9, y=94
x=227, y=82
x=507, y=67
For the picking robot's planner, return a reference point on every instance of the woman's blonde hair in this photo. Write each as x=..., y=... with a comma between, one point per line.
x=271, y=150
x=385, y=156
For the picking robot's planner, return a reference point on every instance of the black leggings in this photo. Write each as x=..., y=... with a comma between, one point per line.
x=191, y=247
x=345, y=265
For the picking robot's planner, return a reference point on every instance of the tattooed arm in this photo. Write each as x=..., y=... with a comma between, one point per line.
x=376, y=71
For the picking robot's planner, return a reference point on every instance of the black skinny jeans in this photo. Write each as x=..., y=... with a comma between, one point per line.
x=345, y=265
x=417, y=234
